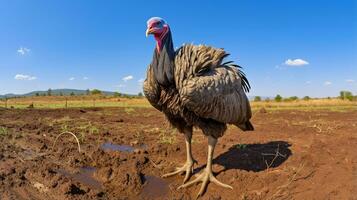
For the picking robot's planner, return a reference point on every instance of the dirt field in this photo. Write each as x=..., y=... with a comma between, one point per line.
x=291, y=155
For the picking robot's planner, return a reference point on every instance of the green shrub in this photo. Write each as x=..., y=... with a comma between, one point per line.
x=257, y=98
x=278, y=98
x=346, y=95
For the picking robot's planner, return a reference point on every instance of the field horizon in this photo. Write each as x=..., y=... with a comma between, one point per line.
x=85, y=101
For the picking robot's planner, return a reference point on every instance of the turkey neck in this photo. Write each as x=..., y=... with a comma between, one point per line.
x=163, y=61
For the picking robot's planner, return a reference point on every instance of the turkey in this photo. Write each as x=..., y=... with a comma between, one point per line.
x=193, y=87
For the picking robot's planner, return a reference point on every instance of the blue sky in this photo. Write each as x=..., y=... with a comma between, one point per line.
x=286, y=47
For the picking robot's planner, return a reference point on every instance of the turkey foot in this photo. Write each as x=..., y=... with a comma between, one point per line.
x=187, y=168
x=207, y=176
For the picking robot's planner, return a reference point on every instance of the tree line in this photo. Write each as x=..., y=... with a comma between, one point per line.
x=94, y=92
x=344, y=95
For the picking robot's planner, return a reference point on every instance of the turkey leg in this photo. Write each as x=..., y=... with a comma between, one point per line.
x=188, y=166
x=207, y=176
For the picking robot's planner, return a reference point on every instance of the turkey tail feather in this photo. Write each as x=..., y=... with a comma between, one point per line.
x=245, y=82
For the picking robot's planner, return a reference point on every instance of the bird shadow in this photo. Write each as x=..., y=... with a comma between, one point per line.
x=253, y=157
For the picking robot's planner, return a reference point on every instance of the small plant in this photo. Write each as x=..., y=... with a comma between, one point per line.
x=3, y=131
x=87, y=128
x=129, y=110
x=167, y=138
x=64, y=128
x=93, y=130
x=241, y=146
x=90, y=128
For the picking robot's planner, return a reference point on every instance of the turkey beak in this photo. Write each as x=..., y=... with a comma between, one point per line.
x=148, y=32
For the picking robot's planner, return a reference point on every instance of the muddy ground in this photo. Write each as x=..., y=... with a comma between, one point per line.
x=291, y=155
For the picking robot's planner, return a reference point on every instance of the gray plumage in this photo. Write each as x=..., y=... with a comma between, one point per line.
x=205, y=92
x=193, y=87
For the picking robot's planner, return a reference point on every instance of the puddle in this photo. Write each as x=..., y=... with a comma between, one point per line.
x=85, y=176
x=120, y=147
x=154, y=187
x=117, y=147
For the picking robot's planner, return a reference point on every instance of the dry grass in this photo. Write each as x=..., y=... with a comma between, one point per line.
x=97, y=101
x=67, y=132
x=283, y=191
x=329, y=104
x=75, y=102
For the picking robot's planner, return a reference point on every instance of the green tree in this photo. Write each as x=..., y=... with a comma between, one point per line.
x=257, y=98
x=96, y=92
x=87, y=92
x=49, y=92
x=346, y=95
x=278, y=98
x=72, y=94
x=306, y=98
x=117, y=94
x=37, y=94
x=140, y=94
x=61, y=94
x=293, y=98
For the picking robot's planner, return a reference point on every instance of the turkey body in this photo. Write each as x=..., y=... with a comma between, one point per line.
x=193, y=87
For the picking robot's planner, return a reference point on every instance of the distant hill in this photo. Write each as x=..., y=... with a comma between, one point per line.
x=54, y=92
x=67, y=92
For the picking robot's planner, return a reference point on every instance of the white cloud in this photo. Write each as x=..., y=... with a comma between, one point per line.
x=308, y=82
x=24, y=77
x=296, y=62
x=350, y=81
x=327, y=83
x=71, y=79
x=127, y=78
x=23, y=50
x=85, y=78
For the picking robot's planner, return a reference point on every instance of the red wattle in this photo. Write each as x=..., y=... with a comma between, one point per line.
x=159, y=37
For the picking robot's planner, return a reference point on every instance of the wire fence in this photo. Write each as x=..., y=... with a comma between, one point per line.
x=72, y=102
